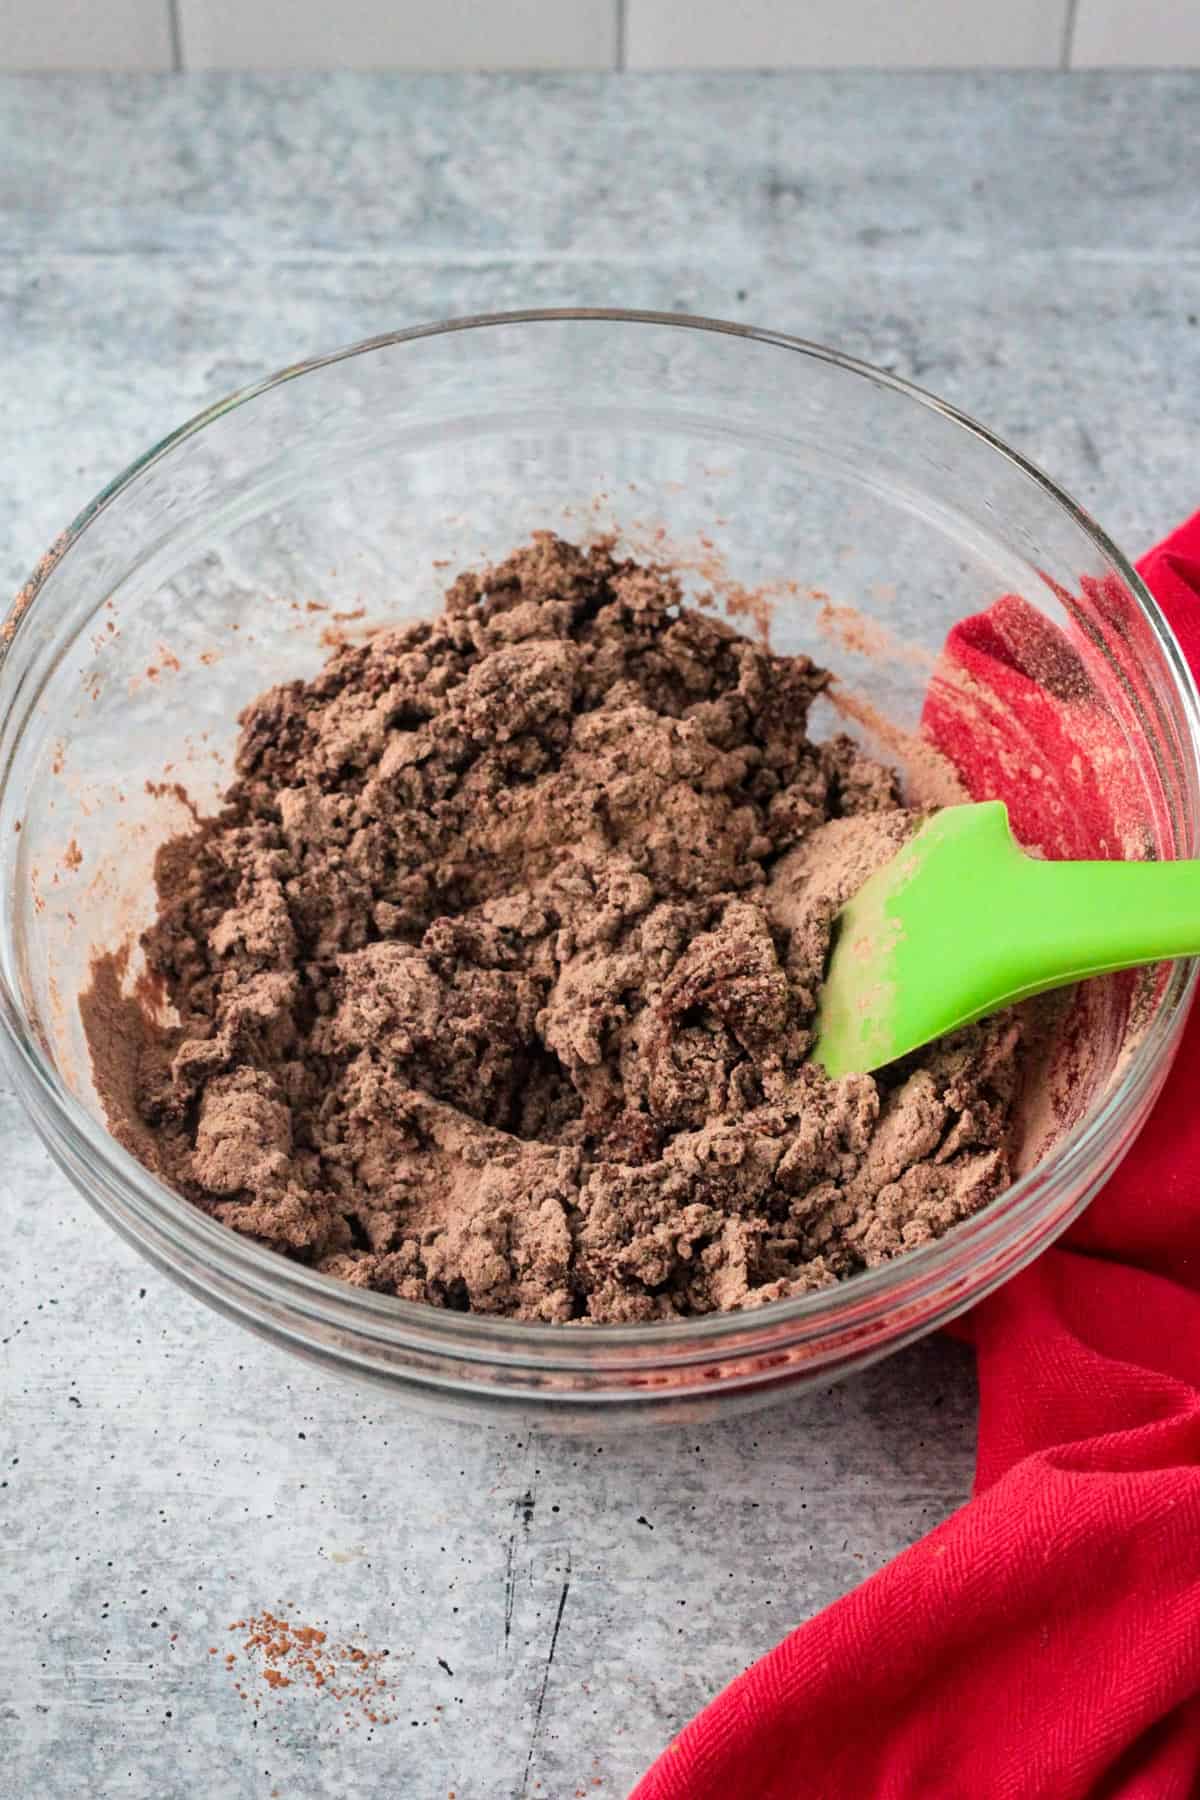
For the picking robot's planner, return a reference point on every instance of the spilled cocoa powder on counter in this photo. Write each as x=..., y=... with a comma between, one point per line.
x=495, y=975
x=275, y=1651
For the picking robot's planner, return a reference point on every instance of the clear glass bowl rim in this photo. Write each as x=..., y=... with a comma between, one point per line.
x=861, y=1298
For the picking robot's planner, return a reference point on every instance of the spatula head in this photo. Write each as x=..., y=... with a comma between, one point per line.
x=912, y=954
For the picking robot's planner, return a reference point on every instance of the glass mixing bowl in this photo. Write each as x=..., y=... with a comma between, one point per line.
x=348, y=490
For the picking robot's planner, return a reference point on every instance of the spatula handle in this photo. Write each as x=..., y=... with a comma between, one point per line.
x=1072, y=919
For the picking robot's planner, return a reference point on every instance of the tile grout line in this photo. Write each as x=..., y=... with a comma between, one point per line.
x=1068, y=37
x=620, y=45
x=175, y=28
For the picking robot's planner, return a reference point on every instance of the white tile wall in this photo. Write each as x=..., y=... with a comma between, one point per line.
x=85, y=34
x=698, y=34
x=398, y=34
x=1136, y=34
x=583, y=34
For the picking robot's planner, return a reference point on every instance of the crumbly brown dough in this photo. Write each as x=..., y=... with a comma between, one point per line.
x=496, y=973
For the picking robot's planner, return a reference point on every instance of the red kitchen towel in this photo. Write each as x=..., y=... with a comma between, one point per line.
x=1044, y=1642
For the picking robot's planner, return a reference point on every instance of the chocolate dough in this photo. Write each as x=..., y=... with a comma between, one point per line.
x=496, y=973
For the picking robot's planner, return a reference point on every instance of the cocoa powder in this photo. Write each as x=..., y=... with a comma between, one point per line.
x=493, y=981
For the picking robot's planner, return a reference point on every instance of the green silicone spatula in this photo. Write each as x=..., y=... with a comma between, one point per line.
x=961, y=922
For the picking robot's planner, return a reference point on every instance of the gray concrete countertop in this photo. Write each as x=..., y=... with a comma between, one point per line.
x=1027, y=246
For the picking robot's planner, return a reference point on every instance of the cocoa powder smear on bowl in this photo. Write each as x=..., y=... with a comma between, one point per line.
x=496, y=973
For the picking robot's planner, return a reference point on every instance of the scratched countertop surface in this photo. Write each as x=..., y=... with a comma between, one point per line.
x=553, y=1608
